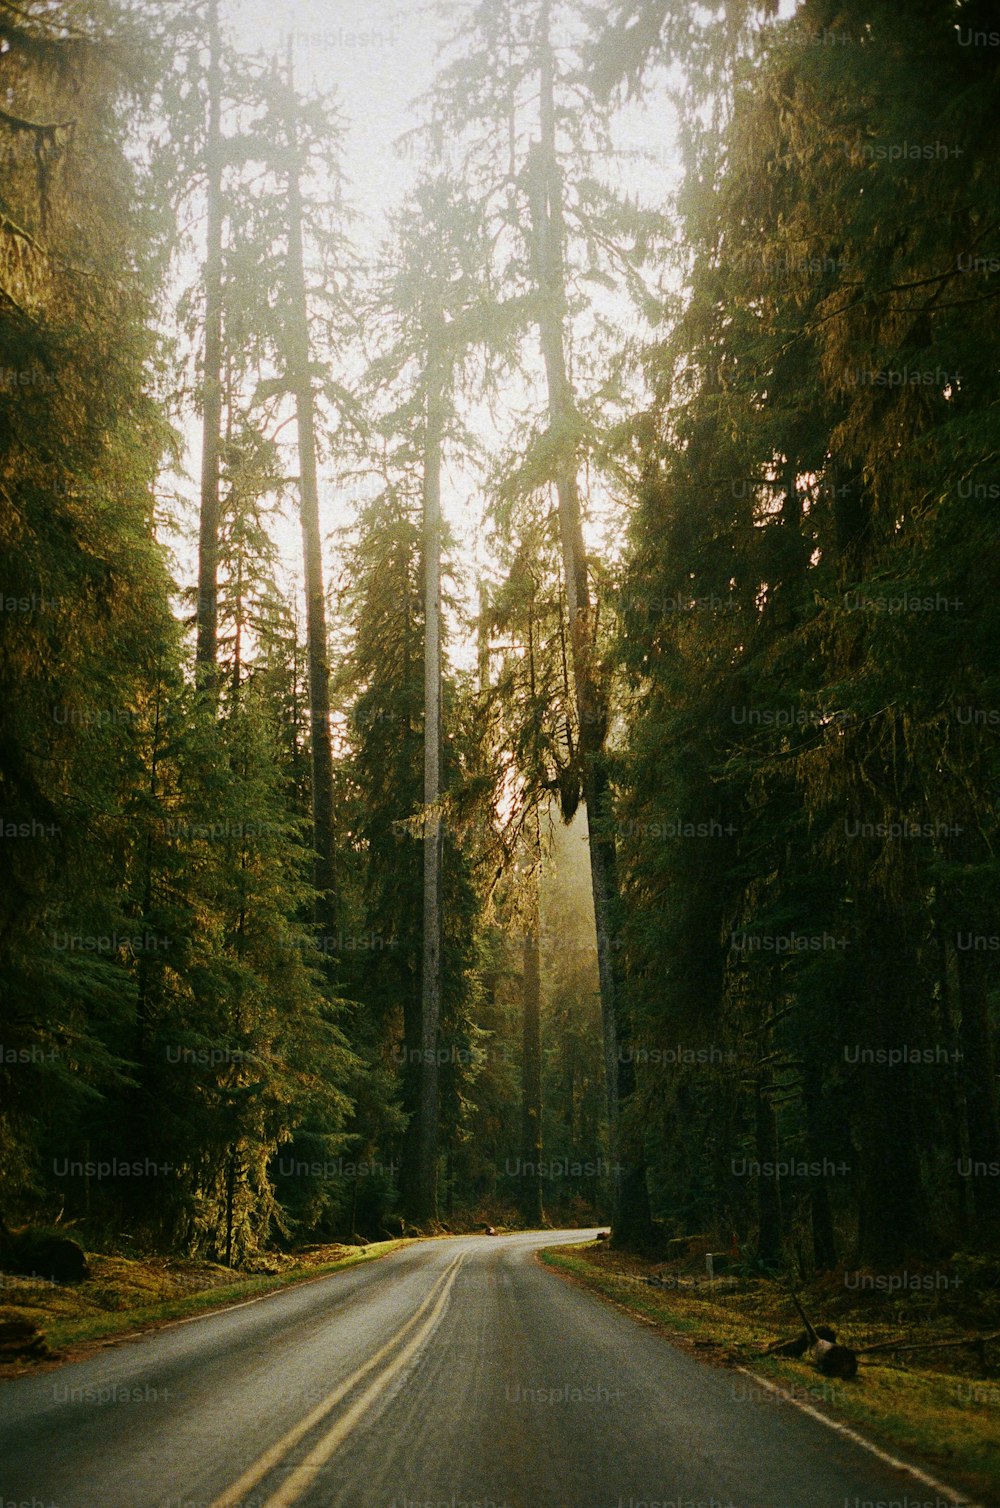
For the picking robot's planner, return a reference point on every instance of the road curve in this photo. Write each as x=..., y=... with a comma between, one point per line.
x=453, y=1372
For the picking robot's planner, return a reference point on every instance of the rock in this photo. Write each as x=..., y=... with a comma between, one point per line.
x=19, y=1338
x=39, y=1253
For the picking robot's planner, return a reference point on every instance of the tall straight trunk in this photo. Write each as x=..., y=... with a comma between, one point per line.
x=425, y=1191
x=483, y=640
x=979, y=1079
x=138, y=1110
x=316, y=635
x=230, y=1201
x=410, y=1081
x=410, y=992
x=958, y=1112
x=531, y=1076
x=531, y=1006
x=207, y=618
x=769, y=1221
x=893, y=1215
x=631, y=1215
x=824, y=1243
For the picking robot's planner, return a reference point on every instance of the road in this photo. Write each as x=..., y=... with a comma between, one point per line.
x=452, y=1372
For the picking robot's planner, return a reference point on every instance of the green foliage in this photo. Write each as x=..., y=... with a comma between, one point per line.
x=804, y=624
x=165, y=1030
x=790, y=709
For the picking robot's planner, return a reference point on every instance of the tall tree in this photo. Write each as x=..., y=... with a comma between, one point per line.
x=430, y=1010
x=527, y=140
x=203, y=105
x=531, y=1050
x=546, y=199
x=299, y=374
x=86, y=592
x=798, y=605
x=212, y=358
x=429, y=316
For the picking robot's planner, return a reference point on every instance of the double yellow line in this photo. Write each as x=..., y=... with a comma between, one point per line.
x=303, y=1475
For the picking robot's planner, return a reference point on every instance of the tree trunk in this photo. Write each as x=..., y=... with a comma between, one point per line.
x=958, y=1117
x=531, y=1077
x=893, y=1214
x=425, y=1192
x=409, y=1149
x=530, y=1198
x=206, y=652
x=979, y=1076
x=821, y=1217
x=230, y=1201
x=483, y=640
x=300, y=382
x=768, y=1192
x=631, y=1215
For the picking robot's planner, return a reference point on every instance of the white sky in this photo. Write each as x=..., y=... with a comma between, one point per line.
x=377, y=56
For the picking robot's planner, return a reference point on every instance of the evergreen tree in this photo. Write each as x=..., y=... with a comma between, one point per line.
x=803, y=494
x=529, y=152
x=86, y=618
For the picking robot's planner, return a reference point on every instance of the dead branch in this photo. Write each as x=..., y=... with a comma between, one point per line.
x=930, y=1345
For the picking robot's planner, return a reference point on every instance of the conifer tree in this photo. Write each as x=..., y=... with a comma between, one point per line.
x=527, y=147
x=783, y=682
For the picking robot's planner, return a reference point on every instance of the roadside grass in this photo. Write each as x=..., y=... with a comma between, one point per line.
x=938, y=1411
x=124, y=1295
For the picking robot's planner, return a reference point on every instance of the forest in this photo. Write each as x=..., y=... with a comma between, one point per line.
x=500, y=715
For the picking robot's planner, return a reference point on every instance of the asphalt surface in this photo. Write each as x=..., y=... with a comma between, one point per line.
x=453, y=1372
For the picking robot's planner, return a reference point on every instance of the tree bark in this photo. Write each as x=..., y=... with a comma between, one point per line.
x=300, y=383
x=531, y=1077
x=769, y=1222
x=425, y=1192
x=893, y=1214
x=206, y=652
x=631, y=1215
x=979, y=1075
x=821, y=1217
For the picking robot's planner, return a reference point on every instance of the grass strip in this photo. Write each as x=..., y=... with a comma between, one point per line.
x=941, y=1420
x=68, y=1330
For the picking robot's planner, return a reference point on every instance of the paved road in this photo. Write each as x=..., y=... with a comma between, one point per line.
x=453, y=1372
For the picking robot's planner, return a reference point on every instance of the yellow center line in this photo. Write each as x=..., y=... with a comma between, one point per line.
x=235, y=1495
x=306, y=1472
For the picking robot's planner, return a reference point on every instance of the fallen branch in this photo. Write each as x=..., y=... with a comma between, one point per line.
x=799, y=1344
x=827, y=1356
x=974, y=1341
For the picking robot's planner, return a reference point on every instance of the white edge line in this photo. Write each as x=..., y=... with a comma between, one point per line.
x=956, y=1499
x=274, y=1293
x=153, y=1328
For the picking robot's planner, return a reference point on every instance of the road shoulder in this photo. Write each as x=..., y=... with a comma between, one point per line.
x=934, y=1422
x=125, y=1299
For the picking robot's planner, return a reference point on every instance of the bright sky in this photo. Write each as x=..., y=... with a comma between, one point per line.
x=377, y=56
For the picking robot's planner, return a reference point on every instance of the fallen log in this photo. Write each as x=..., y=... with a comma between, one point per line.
x=799, y=1344
x=975, y=1342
